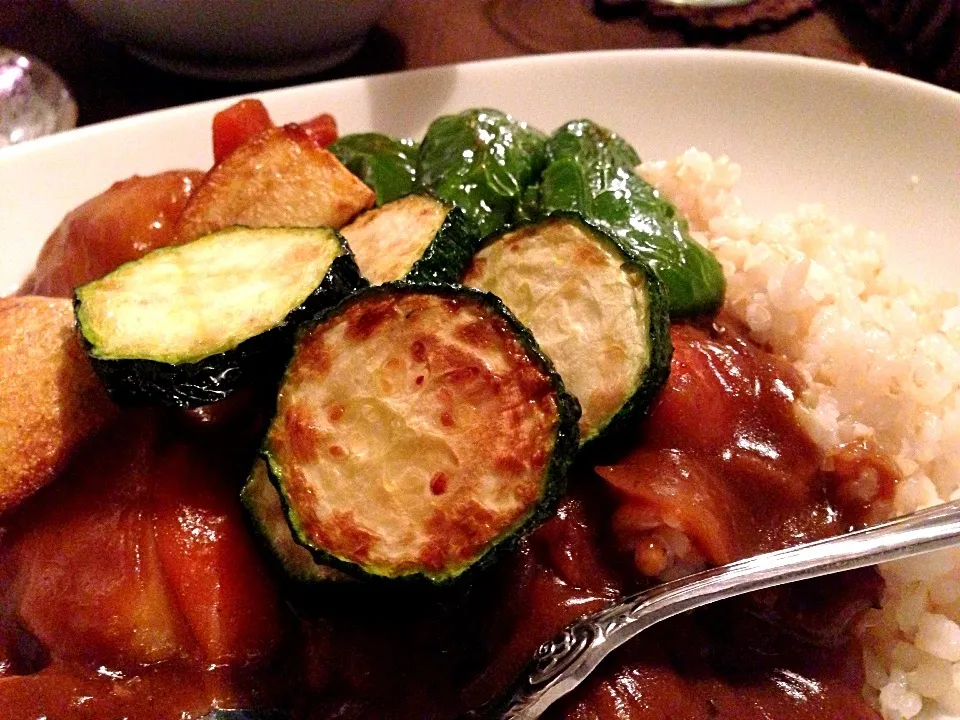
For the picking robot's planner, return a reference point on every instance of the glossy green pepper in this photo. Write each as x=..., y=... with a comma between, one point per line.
x=481, y=160
x=384, y=163
x=590, y=170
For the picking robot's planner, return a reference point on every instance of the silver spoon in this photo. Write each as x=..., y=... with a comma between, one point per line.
x=562, y=663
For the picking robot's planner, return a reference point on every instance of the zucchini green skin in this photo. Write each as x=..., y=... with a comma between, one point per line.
x=263, y=516
x=565, y=446
x=133, y=381
x=448, y=255
x=590, y=170
x=661, y=352
x=481, y=160
x=442, y=260
x=386, y=164
x=658, y=370
x=660, y=344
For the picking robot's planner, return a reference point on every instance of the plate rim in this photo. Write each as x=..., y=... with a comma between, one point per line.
x=42, y=180
x=759, y=58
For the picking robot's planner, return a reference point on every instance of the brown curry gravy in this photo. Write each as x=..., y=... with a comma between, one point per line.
x=400, y=653
x=720, y=461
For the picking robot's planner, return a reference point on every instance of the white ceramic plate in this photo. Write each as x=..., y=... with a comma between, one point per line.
x=877, y=148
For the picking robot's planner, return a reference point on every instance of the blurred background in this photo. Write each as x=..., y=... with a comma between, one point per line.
x=913, y=37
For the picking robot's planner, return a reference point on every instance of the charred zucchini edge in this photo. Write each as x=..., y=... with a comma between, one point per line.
x=136, y=381
x=661, y=347
x=565, y=446
x=302, y=569
x=448, y=252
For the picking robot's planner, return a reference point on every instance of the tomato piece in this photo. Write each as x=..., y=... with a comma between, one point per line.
x=236, y=125
x=704, y=382
x=89, y=583
x=221, y=585
x=728, y=400
x=322, y=129
x=130, y=219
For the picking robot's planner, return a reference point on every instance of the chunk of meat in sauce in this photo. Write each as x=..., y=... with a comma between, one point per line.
x=221, y=588
x=140, y=555
x=128, y=220
x=89, y=584
x=724, y=469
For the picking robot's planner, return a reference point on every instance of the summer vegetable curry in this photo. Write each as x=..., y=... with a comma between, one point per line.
x=147, y=572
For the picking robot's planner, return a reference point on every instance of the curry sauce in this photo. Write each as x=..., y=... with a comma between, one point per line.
x=157, y=548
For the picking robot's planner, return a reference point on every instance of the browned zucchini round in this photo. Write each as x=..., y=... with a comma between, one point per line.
x=418, y=428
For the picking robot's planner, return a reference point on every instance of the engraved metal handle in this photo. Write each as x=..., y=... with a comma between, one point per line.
x=565, y=661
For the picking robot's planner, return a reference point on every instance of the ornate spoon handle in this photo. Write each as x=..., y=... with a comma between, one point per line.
x=564, y=662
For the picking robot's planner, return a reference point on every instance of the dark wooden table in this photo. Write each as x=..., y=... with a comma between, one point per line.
x=109, y=83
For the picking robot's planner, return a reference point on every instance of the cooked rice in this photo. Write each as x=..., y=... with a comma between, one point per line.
x=881, y=361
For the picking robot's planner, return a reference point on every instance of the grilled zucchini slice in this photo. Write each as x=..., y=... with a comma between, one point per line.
x=262, y=502
x=418, y=429
x=599, y=316
x=591, y=171
x=187, y=325
x=417, y=238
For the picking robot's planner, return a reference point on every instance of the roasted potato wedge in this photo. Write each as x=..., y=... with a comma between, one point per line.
x=281, y=178
x=50, y=399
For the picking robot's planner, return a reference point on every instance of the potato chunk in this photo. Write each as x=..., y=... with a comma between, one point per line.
x=281, y=178
x=50, y=400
